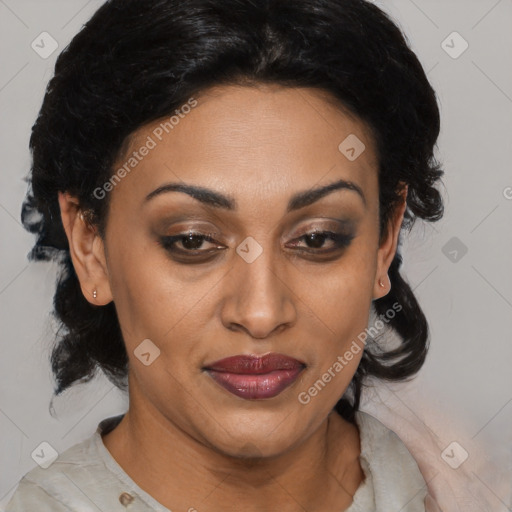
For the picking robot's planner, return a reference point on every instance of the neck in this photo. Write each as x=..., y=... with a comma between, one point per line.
x=182, y=473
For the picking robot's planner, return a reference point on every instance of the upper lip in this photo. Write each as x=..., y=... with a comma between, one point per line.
x=250, y=364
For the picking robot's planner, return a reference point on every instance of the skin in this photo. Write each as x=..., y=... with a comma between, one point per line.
x=185, y=440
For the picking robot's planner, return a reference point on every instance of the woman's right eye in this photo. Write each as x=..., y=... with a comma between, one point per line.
x=191, y=243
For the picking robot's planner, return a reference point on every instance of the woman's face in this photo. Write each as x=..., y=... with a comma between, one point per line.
x=260, y=285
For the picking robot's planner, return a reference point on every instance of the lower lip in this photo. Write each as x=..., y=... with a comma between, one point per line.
x=256, y=386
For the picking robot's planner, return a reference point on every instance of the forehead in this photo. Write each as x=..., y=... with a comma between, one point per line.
x=252, y=140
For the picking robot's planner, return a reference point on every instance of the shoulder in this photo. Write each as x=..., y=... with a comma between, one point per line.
x=61, y=486
x=378, y=441
x=78, y=480
x=29, y=496
x=390, y=469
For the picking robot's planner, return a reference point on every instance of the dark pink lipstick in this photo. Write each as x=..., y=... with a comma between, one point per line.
x=255, y=377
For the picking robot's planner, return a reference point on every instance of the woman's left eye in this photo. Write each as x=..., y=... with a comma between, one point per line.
x=316, y=240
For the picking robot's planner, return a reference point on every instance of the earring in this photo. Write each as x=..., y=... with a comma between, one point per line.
x=381, y=284
x=94, y=294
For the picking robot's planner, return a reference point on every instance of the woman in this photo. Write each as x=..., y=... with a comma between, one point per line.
x=224, y=185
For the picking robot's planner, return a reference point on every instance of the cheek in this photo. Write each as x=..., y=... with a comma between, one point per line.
x=143, y=292
x=344, y=293
x=155, y=300
x=336, y=358
x=342, y=301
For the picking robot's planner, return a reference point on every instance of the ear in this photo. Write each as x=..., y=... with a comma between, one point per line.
x=87, y=251
x=388, y=246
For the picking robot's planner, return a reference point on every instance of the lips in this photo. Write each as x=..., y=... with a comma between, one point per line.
x=255, y=377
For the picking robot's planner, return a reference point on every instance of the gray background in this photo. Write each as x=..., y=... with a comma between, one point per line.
x=464, y=392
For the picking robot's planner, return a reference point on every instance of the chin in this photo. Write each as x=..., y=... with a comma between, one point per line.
x=262, y=439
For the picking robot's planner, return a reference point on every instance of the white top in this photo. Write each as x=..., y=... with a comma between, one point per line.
x=86, y=478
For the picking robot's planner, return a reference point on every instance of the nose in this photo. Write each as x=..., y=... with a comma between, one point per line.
x=260, y=298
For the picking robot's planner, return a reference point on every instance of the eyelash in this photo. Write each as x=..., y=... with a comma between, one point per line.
x=341, y=241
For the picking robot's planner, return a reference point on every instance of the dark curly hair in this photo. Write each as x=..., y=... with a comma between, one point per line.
x=136, y=61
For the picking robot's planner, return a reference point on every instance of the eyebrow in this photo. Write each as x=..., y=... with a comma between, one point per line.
x=226, y=202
